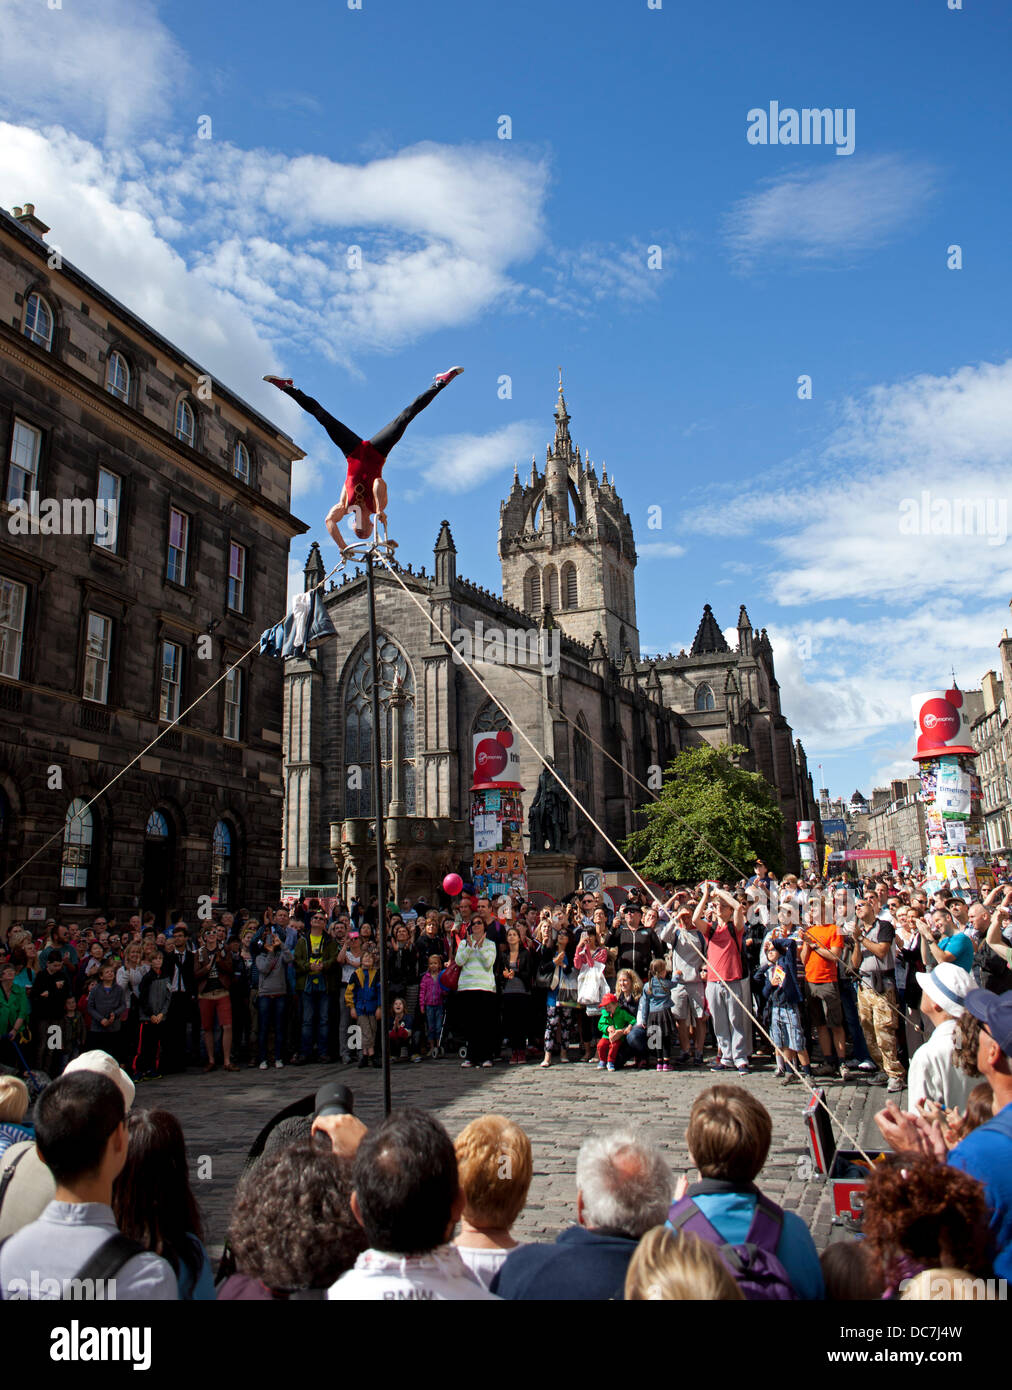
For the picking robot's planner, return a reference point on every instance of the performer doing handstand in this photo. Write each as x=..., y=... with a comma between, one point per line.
x=364, y=490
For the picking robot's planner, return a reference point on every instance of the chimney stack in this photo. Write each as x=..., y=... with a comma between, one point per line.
x=31, y=223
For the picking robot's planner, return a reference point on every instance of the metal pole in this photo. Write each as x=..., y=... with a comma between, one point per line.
x=378, y=808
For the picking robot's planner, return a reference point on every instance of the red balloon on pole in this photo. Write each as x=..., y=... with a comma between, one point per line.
x=452, y=884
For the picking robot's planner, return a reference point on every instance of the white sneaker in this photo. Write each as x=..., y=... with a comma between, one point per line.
x=867, y=1067
x=896, y=1083
x=467, y=1064
x=263, y=1066
x=279, y=1064
x=486, y=1064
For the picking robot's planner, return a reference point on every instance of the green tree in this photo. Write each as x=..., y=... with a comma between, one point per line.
x=708, y=807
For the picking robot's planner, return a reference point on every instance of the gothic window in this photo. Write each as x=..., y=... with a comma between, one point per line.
x=570, y=590
x=532, y=591
x=704, y=697
x=157, y=827
x=550, y=588
x=490, y=720
x=358, y=729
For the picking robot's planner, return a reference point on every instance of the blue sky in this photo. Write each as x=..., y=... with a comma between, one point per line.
x=378, y=128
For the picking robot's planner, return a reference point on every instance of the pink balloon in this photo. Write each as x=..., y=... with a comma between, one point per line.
x=452, y=884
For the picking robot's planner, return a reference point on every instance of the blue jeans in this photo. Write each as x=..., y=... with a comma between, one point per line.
x=434, y=1021
x=848, y=999
x=271, y=1011
x=315, y=1015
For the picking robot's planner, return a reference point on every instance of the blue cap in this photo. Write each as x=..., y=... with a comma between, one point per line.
x=996, y=1011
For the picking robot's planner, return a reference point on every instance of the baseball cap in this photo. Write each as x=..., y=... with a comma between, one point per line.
x=996, y=1011
x=947, y=985
x=608, y=1000
x=104, y=1065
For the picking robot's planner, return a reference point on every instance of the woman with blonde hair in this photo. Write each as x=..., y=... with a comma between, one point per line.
x=495, y=1166
x=672, y=1268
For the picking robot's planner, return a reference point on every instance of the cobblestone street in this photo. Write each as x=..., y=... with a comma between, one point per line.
x=558, y=1107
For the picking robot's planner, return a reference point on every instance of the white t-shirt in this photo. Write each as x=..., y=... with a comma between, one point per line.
x=484, y=1264
x=440, y=1274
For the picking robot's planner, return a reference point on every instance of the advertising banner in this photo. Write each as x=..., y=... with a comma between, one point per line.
x=942, y=724
x=806, y=832
x=496, y=761
x=952, y=793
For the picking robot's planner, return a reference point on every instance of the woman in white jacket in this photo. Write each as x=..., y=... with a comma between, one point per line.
x=477, y=1001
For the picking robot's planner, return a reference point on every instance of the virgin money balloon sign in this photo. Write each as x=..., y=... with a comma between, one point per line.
x=806, y=832
x=942, y=724
x=496, y=761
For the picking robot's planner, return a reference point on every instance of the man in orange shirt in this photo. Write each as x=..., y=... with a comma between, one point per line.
x=822, y=948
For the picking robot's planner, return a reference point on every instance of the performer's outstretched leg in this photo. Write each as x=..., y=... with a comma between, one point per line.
x=345, y=439
x=388, y=436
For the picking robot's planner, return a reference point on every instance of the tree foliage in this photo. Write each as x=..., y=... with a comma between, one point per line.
x=706, y=797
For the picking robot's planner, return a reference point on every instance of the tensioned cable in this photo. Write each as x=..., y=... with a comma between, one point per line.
x=607, y=839
x=160, y=735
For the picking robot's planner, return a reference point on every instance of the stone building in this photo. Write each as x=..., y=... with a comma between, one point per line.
x=992, y=738
x=157, y=554
x=560, y=649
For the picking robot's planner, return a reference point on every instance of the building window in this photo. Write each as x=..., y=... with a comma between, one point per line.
x=179, y=541
x=233, y=706
x=78, y=832
x=186, y=424
x=358, y=729
x=157, y=827
x=221, y=864
x=237, y=578
x=490, y=720
x=550, y=588
x=22, y=476
x=704, y=698
x=240, y=462
x=117, y=377
x=12, y=626
x=172, y=670
x=39, y=321
x=532, y=591
x=107, y=510
x=96, y=658
x=570, y=591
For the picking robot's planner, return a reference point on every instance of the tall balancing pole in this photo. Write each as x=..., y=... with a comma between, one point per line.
x=377, y=802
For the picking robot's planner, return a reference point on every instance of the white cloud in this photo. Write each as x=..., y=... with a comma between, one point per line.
x=844, y=682
x=866, y=519
x=110, y=68
x=845, y=206
x=659, y=550
x=465, y=461
x=623, y=273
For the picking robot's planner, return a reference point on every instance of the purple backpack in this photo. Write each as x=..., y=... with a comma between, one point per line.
x=754, y=1265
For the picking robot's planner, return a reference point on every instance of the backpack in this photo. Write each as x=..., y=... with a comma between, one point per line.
x=105, y=1262
x=754, y=1265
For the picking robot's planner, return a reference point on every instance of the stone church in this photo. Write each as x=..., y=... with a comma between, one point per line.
x=560, y=649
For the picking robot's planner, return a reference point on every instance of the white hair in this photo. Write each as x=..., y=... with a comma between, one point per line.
x=625, y=1181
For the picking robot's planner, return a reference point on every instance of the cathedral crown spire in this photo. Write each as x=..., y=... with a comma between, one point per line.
x=563, y=443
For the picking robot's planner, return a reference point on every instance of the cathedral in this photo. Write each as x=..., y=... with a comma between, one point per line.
x=560, y=649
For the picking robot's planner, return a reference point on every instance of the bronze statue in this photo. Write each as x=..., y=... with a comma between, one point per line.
x=548, y=818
